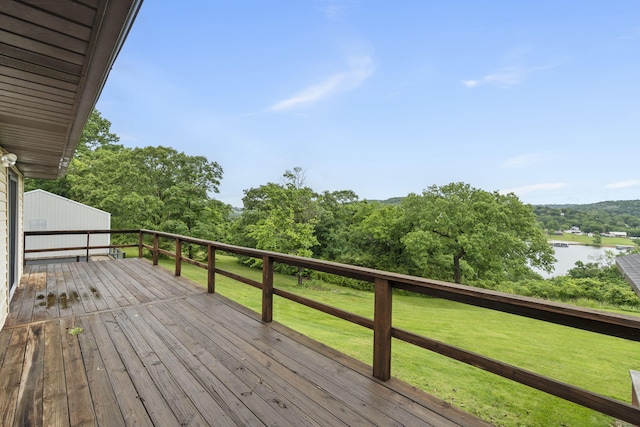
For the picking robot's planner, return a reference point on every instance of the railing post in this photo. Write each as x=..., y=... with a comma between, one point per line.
x=140, y=243
x=382, y=330
x=267, y=289
x=211, y=269
x=155, y=249
x=178, y=257
x=88, y=239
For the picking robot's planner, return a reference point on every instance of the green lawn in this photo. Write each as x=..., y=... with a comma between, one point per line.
x=589, y=360
x=586, y=240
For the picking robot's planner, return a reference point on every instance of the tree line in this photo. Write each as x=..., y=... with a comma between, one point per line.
x=592, y=218
x=454, y=232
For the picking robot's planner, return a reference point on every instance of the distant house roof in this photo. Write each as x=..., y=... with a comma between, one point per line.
x=629, y=265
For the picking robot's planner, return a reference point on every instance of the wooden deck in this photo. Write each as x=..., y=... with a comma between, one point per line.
x=158, y=350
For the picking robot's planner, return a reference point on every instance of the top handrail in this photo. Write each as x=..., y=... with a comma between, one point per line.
x=618, y=325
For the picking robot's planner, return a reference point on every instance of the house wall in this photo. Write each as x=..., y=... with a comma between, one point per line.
x=44, y=211
x=5, y=296
x=4, y=246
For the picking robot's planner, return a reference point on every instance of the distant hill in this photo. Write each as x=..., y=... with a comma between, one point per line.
x=613, y=207
x=236, y=212
x=391, y=201
x=617, y=207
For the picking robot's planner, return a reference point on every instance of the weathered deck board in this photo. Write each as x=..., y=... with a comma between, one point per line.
x=29, y=404
x=147, y=392
x=60, y=299
x=40, y=288
x=158, y=350
x=102, y=391
x=10, y=373
x=371, y=403
x=260, y=371
x=212, y=373
x=54, y=395
x=81, y=411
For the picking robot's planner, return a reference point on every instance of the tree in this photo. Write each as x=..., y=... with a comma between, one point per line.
x=375, y=237
x=96, y=134
x=152, y=187
x=466, y=233
x=280, y=217
x=336, y=211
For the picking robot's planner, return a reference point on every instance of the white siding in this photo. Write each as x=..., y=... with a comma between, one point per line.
x=20, y=224
x=44, y=211
x=4, y=247
x=4, y=238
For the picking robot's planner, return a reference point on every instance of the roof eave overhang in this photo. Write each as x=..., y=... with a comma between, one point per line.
x=55, y=58
x=107, y=40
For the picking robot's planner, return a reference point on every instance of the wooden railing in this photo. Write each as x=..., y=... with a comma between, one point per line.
x=615, y=325
x=87, y=247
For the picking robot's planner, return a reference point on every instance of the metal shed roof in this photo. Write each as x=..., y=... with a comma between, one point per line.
x=629, y=265
x=54, y=59
x=43, y=195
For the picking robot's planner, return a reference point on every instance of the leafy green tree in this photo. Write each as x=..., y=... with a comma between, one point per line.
x=96, y=134
x=336, y=212
x=472, y=234
x=152, y=187
x=281, y=217
x=113, y=181
x=375, y=237
x=552, y=225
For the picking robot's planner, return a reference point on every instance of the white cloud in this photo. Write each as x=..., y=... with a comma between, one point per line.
x=360, y=68
x=334, y=9
x=504, y=77
x=624, y=184
x=535, y=187
x=524, y=160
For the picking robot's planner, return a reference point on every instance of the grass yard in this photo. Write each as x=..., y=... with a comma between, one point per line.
x=589, y=360
x=586, y=240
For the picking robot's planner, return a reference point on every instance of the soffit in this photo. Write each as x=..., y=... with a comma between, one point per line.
x=54, y=59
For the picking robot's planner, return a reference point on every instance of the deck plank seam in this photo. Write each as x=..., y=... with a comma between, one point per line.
x=254, y=383
x=367, y=411
x=83, y=315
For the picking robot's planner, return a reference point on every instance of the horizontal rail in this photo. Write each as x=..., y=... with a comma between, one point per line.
x=239, y=278
x=620, y=326
x=611, y=324
x=78, y=248
x=68, y=232
x=540, y=382
x=617, y=325
x=342, y=314
x=87, y=247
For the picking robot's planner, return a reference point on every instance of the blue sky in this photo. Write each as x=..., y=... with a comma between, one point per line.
x=541, y=98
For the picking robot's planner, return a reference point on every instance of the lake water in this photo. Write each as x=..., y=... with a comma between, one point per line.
x=567, y=257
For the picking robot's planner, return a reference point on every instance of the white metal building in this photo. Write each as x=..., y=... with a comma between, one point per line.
x=44, y=211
